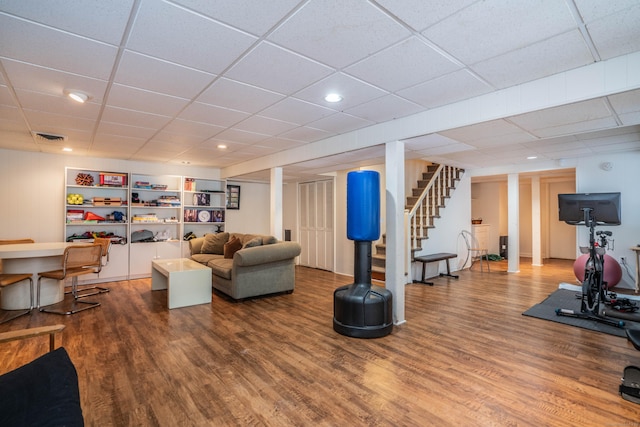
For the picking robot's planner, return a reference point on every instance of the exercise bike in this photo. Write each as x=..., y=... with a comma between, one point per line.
x=594, y=288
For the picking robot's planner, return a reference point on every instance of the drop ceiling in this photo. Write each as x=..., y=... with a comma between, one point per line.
x=170, y=81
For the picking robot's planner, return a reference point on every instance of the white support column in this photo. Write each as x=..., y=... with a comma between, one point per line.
x=513, y=209
x=276, y=203
x=395, y=250
x=536, y=238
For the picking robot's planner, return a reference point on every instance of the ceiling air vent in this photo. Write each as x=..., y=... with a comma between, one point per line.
x=48, y=137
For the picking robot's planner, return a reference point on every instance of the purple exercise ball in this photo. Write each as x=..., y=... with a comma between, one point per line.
x=612, y=270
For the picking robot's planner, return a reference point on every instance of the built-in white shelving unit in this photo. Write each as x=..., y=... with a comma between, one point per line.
x=120, y=204
x=97, y=205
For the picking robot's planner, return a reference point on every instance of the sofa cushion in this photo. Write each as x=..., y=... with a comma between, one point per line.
x=256, y=241
x=231, y=247
x=221, y=267
x=214, y=243
x=205, y=258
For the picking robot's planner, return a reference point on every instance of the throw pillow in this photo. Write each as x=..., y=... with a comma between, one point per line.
x=214, y=243
x=231, y=247
x=269, y=240
x=256, y=241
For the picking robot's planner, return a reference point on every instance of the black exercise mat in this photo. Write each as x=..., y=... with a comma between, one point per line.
x=564, y=298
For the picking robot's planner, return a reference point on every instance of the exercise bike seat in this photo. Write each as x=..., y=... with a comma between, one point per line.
x=634, y=337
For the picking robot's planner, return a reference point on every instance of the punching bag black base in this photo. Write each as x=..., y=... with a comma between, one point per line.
x=362, y=311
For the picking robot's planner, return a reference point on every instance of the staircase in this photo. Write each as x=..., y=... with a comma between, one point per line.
x=423, y=207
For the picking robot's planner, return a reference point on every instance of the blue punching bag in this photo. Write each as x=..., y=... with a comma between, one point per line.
x=361, y=309
x=363, y=206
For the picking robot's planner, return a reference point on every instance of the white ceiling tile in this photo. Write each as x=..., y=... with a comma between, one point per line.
x=482, y=130
x=591, y=10
x=120, y=129
x=338, y=32
x=550, y=56
x=237, y=135
x=403, y=65
x=238, y=96
x=280, y=143
x=446, y=149
x=41, y=121
x=280, y=70
x=53, y=82
x=141, y=100
x=617, y=34
x=177, y=35
x=248, y=15
x=134, y=118
x=383, y=108
x=212, y=115
x=420, y=14
x=40, y=45
x=104, y=21
x=610, y=148
x=428, y=141
x=573, y=128
x=60, y=103
x=197, y=129
x=353, y=91
x=340, y=123
x=160, y=76
x=265, y=125
x=630, y=118
x=6, y=98
x=490, y=28
x=566, y=114
x=626, y=102
x=305, y=134
x=296, y=111
x=445, y=90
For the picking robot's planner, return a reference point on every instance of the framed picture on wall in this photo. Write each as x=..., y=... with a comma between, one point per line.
x=233, y=197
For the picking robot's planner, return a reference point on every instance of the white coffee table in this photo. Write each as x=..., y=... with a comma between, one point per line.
x=187, y=282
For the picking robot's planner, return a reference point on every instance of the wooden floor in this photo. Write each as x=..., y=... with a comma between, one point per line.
x=465, y=357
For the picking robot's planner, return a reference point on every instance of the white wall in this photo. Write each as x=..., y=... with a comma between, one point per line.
x=621, y=178
x=253, y=217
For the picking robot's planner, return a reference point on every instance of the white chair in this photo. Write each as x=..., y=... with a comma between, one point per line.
x=474, y=251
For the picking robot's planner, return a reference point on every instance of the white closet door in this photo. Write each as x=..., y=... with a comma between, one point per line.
x=316, y=224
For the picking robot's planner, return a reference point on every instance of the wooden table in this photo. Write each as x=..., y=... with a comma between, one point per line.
x=187, y=282
x=32, y=258
x=425, y=259
x=637, y=251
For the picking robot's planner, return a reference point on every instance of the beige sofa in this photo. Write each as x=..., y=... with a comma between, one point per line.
x=262, y=266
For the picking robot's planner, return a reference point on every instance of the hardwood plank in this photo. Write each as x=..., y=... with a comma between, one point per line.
x=466, y=356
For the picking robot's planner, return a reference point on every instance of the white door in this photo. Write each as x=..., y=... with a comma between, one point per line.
x=316, y=224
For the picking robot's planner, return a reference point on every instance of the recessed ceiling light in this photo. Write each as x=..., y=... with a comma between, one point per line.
x=185, y=162
x=222, y=146
x=532, y=157
x=67, y=149
x=333, y=97
x=78, y=97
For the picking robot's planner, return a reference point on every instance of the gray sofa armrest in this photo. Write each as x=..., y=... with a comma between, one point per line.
x=195, y=245
x=267, y=253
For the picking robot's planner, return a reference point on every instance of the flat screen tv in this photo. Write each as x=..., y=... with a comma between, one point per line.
x=604, y=208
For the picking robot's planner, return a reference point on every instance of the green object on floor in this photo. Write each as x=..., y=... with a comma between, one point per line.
x=494, y=257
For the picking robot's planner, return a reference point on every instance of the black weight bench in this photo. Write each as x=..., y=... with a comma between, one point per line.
x=425, y=259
